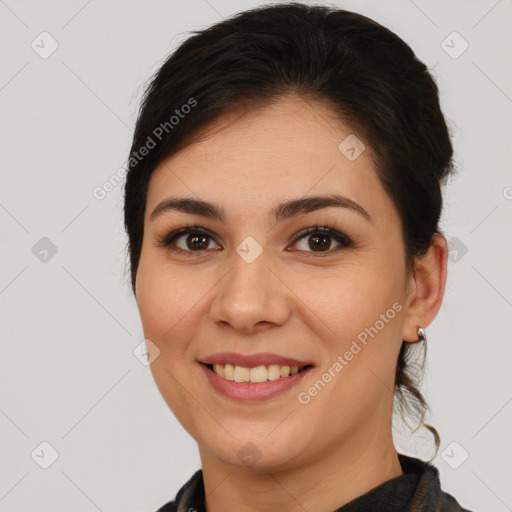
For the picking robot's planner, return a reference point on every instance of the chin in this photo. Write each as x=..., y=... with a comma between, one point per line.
x=255, y=453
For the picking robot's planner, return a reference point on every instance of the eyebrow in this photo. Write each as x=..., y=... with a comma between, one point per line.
x=286, y=210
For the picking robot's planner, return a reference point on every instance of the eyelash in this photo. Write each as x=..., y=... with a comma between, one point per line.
x=342, y=239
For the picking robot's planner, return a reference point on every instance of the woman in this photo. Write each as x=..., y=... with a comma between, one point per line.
x=282, y=209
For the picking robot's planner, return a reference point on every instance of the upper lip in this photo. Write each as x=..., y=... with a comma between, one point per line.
x=253, y=360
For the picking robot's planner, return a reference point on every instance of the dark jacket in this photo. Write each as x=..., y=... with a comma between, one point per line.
x=417, y=490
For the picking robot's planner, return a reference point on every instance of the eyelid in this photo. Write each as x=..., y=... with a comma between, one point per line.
x=341, y=238
x=326, y=230
x=173, y=233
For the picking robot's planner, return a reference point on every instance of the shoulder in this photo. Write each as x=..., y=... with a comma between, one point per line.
x=429, y=495
x=191, y=490
x=168, y=507
x=450, y=504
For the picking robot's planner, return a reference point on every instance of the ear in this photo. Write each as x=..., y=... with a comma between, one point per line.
x=426, y=289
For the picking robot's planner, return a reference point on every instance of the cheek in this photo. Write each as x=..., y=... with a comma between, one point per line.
x=168, y=309
x=165, y=299
x=345, y=302
x=356, y=312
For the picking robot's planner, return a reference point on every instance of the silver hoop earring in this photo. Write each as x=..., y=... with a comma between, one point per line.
x=422, y=335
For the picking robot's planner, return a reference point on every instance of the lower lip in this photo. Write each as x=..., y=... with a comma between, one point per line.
x=252, y=391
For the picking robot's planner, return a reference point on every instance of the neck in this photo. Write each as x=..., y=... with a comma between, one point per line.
x=333, y=479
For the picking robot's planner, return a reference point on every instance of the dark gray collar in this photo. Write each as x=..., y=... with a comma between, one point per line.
x=417, y=490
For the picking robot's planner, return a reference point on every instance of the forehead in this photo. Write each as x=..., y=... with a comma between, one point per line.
x=257, y=158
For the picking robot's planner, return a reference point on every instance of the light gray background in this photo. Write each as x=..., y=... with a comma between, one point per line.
x=69, y=325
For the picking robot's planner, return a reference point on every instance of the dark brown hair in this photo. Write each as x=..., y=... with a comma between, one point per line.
x=365, y=73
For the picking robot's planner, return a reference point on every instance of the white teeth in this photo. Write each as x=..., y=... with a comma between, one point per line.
x=218, y=369
x=258, y=374
x=241, y=374
x=284, y=371
x=273, y=372
x=229, y=371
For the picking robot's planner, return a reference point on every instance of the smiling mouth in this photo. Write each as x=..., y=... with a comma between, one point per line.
x=256, y=374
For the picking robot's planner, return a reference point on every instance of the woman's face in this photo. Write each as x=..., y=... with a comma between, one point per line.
x=248, y=287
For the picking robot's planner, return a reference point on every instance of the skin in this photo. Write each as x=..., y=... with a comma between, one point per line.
x=291, y=300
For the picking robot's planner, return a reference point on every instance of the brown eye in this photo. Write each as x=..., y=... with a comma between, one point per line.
x=320, y=239
x=196, y=242
x=319, y=242
x=188, y=239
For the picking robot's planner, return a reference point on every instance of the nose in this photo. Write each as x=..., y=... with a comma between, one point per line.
x=251, y=297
